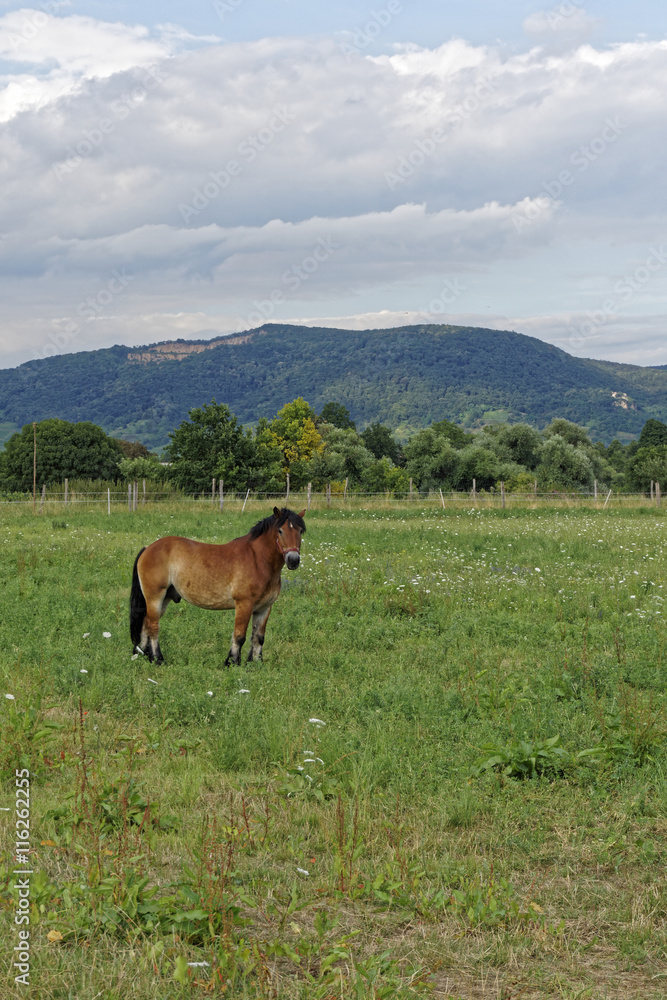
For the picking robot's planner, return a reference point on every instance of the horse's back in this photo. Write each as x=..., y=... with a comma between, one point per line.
x=203, y=573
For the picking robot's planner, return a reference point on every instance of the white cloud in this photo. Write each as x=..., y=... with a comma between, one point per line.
x=209, y=172
x=61, y=52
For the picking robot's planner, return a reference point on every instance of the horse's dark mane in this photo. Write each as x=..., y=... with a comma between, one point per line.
x=277, y=522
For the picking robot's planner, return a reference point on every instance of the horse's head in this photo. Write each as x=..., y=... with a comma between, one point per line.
x=290, y=527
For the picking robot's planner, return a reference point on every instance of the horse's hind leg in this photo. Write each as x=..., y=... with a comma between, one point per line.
x=151, y=629
x=259, y=620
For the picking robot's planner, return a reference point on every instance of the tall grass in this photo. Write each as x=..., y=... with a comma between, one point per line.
x=481, y=810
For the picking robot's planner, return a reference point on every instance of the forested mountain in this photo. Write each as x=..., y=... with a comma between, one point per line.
x=405, y=378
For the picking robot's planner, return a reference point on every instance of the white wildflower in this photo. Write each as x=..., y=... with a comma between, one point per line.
x=107, y=635
x=317, y=722
x=10, y=697
x=82, y=671
x=302, y=871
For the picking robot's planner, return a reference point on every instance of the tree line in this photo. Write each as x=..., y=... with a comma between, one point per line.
x=326, y=448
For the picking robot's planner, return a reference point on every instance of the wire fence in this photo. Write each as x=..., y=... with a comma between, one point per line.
x=135, y=499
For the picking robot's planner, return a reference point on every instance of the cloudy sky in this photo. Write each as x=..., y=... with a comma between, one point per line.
x=173, y=170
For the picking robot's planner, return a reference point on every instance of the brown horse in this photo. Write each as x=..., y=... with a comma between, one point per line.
x=243, y=574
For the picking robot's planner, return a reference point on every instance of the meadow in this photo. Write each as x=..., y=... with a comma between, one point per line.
x=448, y=778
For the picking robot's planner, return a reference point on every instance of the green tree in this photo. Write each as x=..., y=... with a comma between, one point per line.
x=563, y=466
x=380, y=442
x=519, y=443
x=645, y=465
x=452, y=432
x=267, y=473
x=382, y=476
x=142, y=468
x=298, y=438
x=431, y=460
x=133, y=449
x=64, y=450
x=617, y=455
x=654, y=432
x=344, y=456
x=571, y=433
x=210, y=444
x=478, y=463
x=338, y=415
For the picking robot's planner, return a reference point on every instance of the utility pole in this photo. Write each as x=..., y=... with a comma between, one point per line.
x=34, y=464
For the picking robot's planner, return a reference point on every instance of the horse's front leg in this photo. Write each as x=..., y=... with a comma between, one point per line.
x=241, y=619
x=259, y=620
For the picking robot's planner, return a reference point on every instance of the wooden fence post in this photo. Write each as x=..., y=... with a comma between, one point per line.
x=41, y=502
x=136, y=495
x=246, y=500
x=345, y=489
x=474, y=489
x=328, y=494
x=108, y=500
x=287, y=491
x=657, y=494
x=213, y=490
x=143, y=499
x=502, y=492
x=535, y=488
x=442, y=498
x=66, y=489
x=310, y=493
x=651, y=491
x=595, y=489
x=411, y=487
x=129, y=497
x=220, y=485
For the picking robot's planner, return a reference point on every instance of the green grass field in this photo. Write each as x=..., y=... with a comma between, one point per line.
x=480, y=813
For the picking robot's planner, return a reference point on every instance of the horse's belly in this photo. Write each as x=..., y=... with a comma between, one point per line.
x=214, y=598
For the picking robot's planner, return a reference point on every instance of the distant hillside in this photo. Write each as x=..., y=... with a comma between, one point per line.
x=405, y=378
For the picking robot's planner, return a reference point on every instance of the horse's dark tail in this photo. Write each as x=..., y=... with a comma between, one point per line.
x=137, y=606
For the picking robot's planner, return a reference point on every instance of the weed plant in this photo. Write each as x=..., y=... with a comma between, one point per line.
x=447, y=778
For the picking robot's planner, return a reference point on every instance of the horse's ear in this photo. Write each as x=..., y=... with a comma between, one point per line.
x=302, y=512
x=276, y=512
